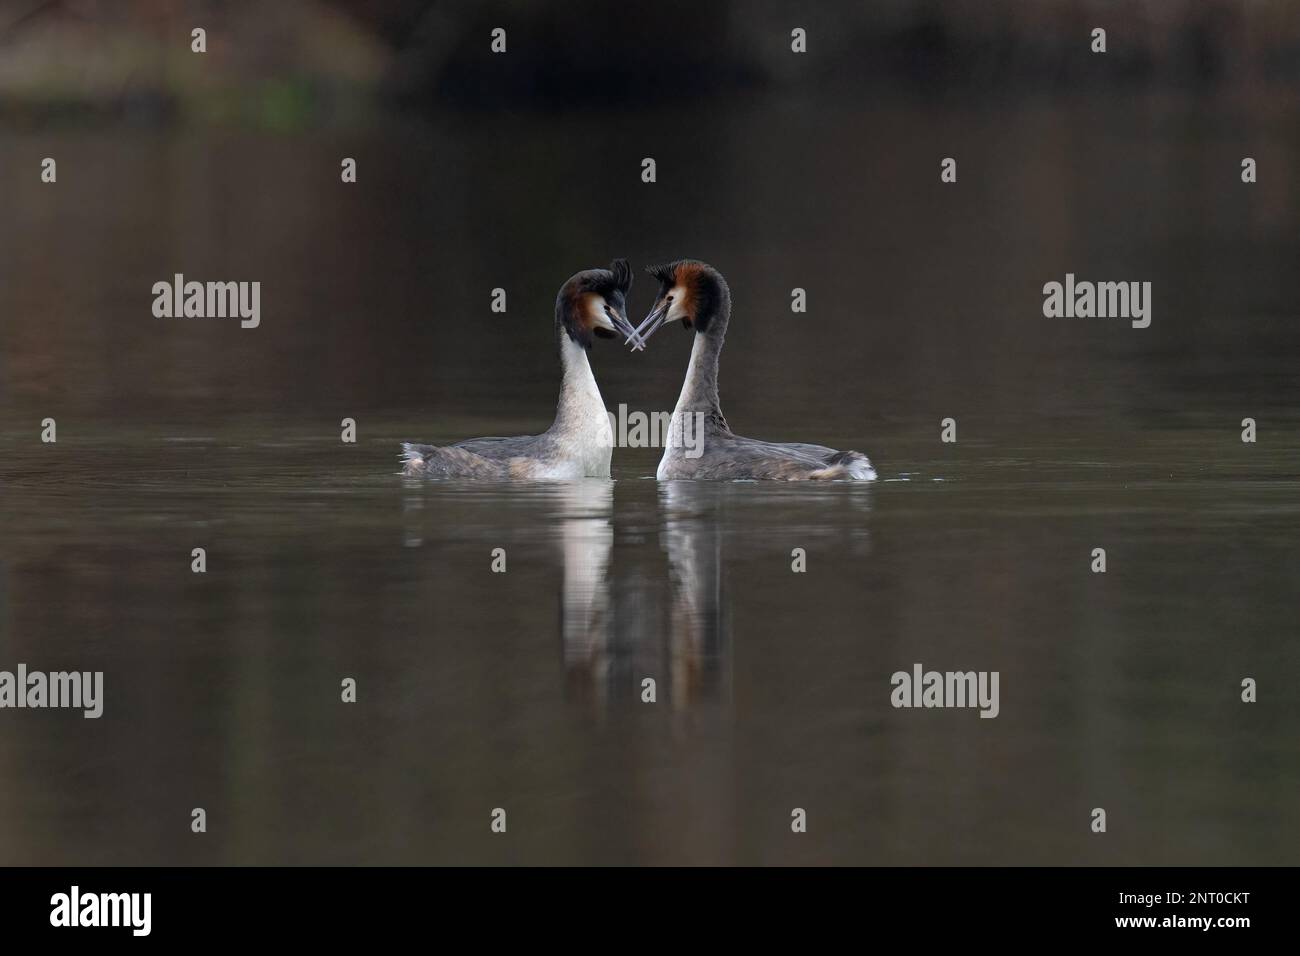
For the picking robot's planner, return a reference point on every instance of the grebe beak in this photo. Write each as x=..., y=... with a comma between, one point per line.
x=611, y=320
x=630, y=335
x=650, y=325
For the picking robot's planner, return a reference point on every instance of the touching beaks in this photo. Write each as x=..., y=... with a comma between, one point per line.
x=617, y=322
x=650, y=325
x=630, y=335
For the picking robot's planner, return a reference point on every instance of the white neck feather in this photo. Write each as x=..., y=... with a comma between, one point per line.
x=688, y=397
x=581, y=422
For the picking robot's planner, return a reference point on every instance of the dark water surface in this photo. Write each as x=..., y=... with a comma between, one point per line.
x=522, y=690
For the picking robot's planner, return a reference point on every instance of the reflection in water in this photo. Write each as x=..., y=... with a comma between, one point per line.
x=629, y=610
x=773, y=688
x=412, y=502
x=586, y=537
x=625, y=619
x=697, y=631
x=621, y=625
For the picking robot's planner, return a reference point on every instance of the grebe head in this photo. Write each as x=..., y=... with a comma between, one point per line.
x=690, y=291
x=594, y=303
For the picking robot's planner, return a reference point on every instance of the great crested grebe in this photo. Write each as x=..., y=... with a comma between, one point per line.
x=696, y=293
x=580, y=442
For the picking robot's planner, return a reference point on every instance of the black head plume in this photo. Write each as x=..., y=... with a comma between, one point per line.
x=622, y=275
x=664, y=273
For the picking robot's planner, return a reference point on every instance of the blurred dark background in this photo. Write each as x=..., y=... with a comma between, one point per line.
x=300, y=59
x=479, y=170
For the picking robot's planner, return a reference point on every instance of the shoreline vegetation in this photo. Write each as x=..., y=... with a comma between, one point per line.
x=302, y=62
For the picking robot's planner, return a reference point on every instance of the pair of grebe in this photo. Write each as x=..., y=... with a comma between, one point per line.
x=580, y=442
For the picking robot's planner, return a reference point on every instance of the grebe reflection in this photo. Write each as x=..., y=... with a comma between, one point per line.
x=621, y=625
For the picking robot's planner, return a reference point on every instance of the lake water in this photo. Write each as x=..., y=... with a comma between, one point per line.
x=522, y=690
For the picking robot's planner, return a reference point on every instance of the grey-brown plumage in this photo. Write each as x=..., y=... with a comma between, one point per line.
x=488, y=458
x=700, y=443
x=731, y=457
